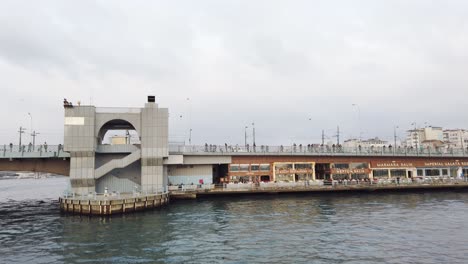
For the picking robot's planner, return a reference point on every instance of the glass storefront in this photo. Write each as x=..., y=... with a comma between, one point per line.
x=398, y=173
x=358, y=176
x=380, y=173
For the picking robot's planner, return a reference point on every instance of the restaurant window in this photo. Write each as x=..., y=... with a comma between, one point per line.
x=284, y=177
x=265, y=178
x=358, y=166
x=359, y=176
x=283, y=166
x=265, y=167
x=254, y=167
x=303, y=166
x=341, y=165
x=244, y=179
x=244, y=167
x=432, y=172
x=445, y=172
x=234, y=178
x=380, y=173
x=420, y=173
x=234, y=167
x=340, y=176
x=398, y=173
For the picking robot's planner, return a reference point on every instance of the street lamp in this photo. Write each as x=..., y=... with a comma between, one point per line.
x=245, y=136
x=359, y=121
x=394, y=138
x=253, y=133
x=190, y=137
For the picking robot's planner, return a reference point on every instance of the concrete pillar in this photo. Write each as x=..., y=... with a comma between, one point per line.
x=79, y=140
x=154, y=142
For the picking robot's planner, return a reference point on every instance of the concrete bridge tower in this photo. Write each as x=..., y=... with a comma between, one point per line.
x=95, y=166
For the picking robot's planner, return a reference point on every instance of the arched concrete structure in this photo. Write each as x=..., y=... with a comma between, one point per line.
x=104, y=119
x=85, y=127
x=114, y=124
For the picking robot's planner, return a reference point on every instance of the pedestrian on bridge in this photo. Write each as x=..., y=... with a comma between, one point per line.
x=45, y=146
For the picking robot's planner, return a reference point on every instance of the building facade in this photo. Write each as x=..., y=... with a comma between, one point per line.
x=254, y=169
x=367, y=143
x=416, y=137
x=456, y=138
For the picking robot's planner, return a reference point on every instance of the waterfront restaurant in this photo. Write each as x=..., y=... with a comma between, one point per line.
x=247, y=172
x=300, y=169
x=293, y=171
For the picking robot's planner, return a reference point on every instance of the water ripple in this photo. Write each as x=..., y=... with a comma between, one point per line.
x=372, y=228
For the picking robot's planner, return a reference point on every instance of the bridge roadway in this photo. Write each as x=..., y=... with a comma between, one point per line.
x=53, y=159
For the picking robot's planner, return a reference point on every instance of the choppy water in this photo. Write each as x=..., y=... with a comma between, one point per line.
x=371, y=228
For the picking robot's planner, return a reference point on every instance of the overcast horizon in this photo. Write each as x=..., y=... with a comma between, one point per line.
x=291, y=67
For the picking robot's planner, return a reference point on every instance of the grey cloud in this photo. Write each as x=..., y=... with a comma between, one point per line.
x=275, y=63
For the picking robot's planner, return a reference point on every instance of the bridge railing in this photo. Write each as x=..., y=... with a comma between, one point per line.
x=30, y=151
x=316, y=150
x=15, y=151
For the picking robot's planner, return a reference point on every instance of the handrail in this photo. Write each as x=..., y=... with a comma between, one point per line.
x=44, y=150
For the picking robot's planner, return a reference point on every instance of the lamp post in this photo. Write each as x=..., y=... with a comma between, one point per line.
x=394, y=138
x=30, y=121
x=245, y=136
x=190, y=137
x=359, y=121
x=33, y=133
x=253, y=133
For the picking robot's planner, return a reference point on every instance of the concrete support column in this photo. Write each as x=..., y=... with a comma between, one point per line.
x=154, y=142
x=79, y=140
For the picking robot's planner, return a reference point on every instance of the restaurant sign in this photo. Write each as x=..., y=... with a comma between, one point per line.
x=446, y=164
x=350, y=171
x=291, y=171
x=394, y=164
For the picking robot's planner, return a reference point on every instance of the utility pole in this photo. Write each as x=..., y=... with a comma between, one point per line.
x=33, y=135
x=323, y=137
x=253, y=133
x=30, y=122
x=21, y=131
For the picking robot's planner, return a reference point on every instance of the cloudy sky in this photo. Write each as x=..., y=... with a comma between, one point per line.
x=291, y=67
